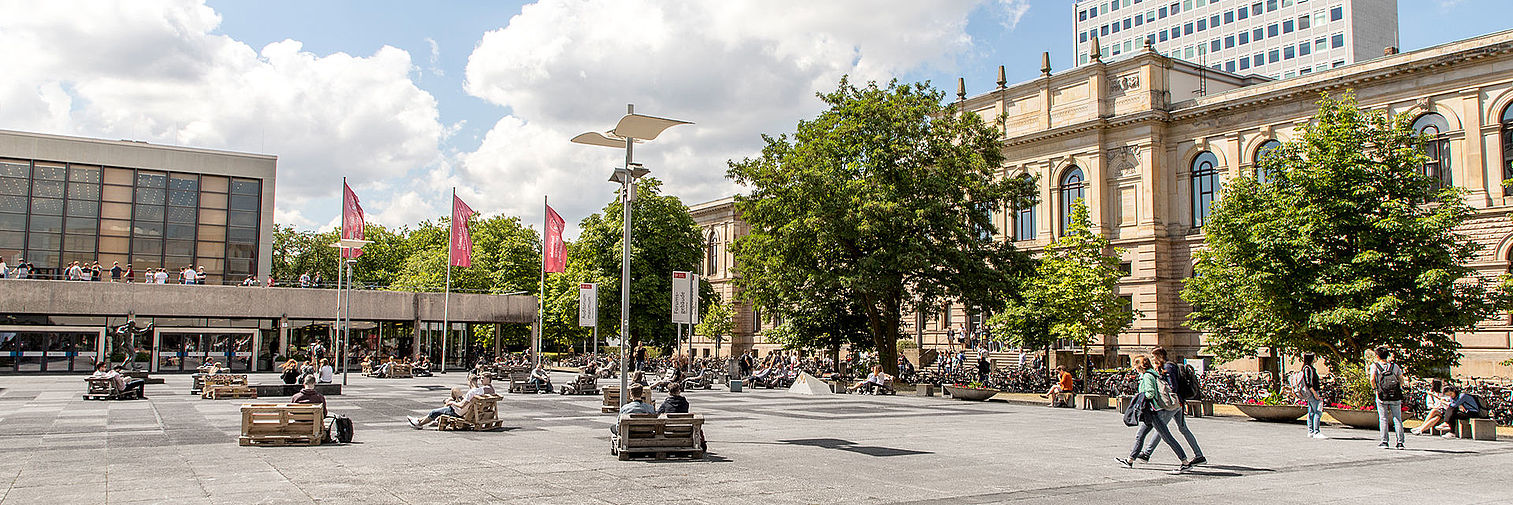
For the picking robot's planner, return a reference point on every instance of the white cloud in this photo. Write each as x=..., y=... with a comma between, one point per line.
x=155, y=70
x=737, y=69
x=1013, y=11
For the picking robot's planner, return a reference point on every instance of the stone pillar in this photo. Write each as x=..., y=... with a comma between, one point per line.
x=283, y=334
x=1470, y=166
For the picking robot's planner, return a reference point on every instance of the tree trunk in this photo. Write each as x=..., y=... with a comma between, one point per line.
x=884, y=322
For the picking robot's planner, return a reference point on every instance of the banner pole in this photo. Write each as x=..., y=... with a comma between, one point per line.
x=446, y=297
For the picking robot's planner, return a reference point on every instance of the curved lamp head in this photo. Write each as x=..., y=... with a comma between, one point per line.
x=643, y=127
x=599, y=139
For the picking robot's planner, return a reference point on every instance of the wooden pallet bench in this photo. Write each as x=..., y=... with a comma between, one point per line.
x=611, y=400
x=660, y=437
x=223, y=392
x=520, y=382
x=100, y=388
x=282, y=424
x=585, y=385
x=201, y=381
x=401, y=371
x=482, y=413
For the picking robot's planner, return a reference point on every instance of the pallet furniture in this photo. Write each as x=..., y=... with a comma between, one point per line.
x=611, y=400
x=1094, y=402
x=481, y=413
x=222, y=392
x=520, y=382
x=367, y=368
x=100, y=388
x=646, y=434
x=585, y=385
x=401, y=371
x=201, y=381
x=282, y=424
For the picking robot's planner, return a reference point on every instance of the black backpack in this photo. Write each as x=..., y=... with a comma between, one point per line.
x=1389, y=385
x=341, y=429
x=1189, y=388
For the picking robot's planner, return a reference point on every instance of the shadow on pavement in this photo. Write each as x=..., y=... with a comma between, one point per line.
x=846, y=445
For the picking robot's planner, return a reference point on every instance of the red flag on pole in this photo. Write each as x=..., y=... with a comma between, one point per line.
x=351, y=220
x=555, y=259
x=462, y=241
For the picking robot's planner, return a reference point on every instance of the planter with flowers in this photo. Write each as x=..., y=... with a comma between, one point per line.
x=1357, y=405
x=1272, y=408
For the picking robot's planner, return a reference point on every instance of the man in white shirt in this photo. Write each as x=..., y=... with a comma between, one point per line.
x=480, y=385
x=4, y=271
x=162, y=276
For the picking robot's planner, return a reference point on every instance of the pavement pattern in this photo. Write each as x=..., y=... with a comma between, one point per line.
x=766, y=446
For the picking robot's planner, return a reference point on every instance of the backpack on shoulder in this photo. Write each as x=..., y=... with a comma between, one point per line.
x=1389, y=382
x=1168, y=398
x=1189, y=388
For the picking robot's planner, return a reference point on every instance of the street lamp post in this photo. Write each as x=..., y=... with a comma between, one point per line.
x=344, y=303
x=631, y=128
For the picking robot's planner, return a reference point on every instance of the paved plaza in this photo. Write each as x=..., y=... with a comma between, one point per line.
x=766, y=447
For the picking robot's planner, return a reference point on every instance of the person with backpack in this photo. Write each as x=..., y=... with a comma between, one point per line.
x=1186, y=387
x=1306, y=386
x=1162, y=402
x=1387, y=381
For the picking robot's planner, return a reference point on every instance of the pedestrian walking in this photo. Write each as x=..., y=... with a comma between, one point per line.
x=1387, y=381
x=1160, y=402
x=1172, y=376
x=1307, y=389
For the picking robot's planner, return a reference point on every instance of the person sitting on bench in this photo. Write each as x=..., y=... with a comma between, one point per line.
x=1461, y=406
x=211, y=367
x=1435, y=401
x=290, y=372
x=675, y=402
x=541, y=379
x=636, y=405
x=874, y=381
x=454, y=407
x=638, y=378
x=327, y=374
x=674, y=376
x=1063, y=385
x=103, y=371
x=422, y=367
x=310, y=395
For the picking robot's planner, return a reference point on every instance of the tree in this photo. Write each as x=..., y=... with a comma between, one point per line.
x=717, y=322
x=1350, y=246
x=886, y=198
x=1073, y=293
x=664, y=238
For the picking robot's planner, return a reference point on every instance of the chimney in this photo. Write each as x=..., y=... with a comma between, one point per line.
x=1389, y=51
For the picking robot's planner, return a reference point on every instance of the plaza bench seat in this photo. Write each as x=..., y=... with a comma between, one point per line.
x=1475, y=429
x=367, y=369
x=646, y=434
x=282, y=424
x=611, y=400
x=1198, y=408
x=1094, y=402
x=100, y=388
x=481, y=413
x=520, y=382
x=223, y=391
x=401, y=371
x=585, y=385
x=201, y=381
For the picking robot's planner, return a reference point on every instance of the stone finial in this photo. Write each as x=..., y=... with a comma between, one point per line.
x=961, y=89
x=1045, y=63
x=1003, y=79
x=1095, y=54
x=1150, y=44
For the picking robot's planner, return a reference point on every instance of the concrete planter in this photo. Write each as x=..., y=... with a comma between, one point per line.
x=1365, y=419
x=1273, y=413
x=970, y=394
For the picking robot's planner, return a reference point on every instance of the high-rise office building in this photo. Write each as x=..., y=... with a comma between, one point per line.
x=1273, y=38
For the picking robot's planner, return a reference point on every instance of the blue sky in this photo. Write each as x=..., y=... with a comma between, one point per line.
x=411, y=98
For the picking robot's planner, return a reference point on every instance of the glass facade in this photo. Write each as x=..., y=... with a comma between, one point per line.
x=52, y=214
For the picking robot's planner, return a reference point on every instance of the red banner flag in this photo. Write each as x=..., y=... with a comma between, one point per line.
x=555, y=259
x=462, y=241
x=351, y=220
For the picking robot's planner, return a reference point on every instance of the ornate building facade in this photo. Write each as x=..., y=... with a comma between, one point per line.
x=1149, y=141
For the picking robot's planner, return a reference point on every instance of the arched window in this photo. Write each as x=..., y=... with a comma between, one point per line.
x=1266, y=148
x=1432, y=127
x=1205, y=186
x=711, y=255
x=1024, y=221
x=1072, y=187
x=1507, y=143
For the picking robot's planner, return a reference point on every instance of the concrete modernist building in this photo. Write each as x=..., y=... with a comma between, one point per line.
x=65, y=199
x=1150, y=156
x=1279, y=39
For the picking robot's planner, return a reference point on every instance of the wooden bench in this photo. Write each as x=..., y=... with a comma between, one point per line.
x=520, y=382
x=584, y=385
x=100, y=388
x=367, y=369
x=482, y=413
x=611, y=400
x=282, y=424
x=1094, y=402
x=401, y=371
x=202, y=381
x=646, y=434
x=222, y=392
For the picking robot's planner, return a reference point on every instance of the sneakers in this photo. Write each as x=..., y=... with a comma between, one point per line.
x=1127, y=463
x=1399, y=447
x=1417, y=431
x=1183, y=468
x=1449, y=436
x=1197, y=461
x=1382, y=445
x=1319, y=436
x=414, y=422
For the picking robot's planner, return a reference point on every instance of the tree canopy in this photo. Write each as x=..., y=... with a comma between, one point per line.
x=882, y=201
x=1348, y=247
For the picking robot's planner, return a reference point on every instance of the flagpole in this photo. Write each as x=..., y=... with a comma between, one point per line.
x=446, y=297
x=341, y=256
x=541, y=293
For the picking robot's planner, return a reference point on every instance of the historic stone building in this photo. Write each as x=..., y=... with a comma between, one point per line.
x=1149, y=141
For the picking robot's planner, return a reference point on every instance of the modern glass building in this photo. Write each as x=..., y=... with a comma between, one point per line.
x=66, y=199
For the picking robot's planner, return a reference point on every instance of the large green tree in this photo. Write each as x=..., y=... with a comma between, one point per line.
x=717, y=322
x=1072, y=295
x=1350, y=246
x=664, y=239
x=884, y=198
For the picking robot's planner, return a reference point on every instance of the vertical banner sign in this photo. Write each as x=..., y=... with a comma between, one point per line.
x=588, y=304
x=694, y=316
x=351, y=220
x=462, y=241
x=555, y=255
x=681, y=305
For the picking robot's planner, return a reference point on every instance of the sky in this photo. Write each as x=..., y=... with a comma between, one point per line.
x=409, y=100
